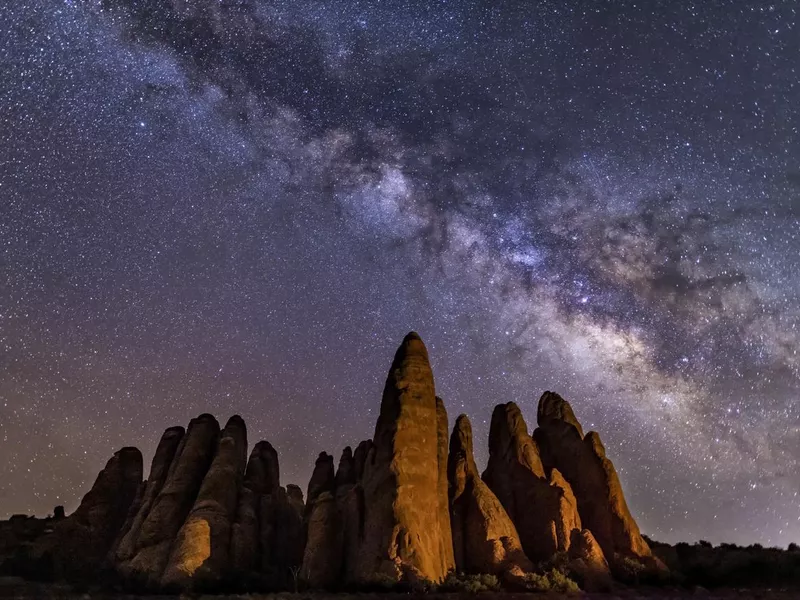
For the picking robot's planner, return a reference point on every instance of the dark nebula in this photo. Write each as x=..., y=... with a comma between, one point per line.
x=241, y=206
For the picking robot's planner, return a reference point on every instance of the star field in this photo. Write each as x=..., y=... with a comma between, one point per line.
x=242, y=206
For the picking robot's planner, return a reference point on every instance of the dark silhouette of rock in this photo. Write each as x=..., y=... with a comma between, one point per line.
x=289, y=533
x=83, y=540
x=346, y=471
x=588, y=563
x=159, y=467
x=442, y=441
x=58, y=513
x=199, y=556
x=252, y=537
x=592, y=476
x=322, y=479
x=322, y=558
x=350, y=505
x=541, y=507
x=403, y=532
x=484, y=538
x=173, y=503
x=360, y=457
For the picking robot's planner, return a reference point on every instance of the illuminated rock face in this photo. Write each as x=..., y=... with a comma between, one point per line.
x=199, y=556
x=582, y=461
x=405, y=506
x=484, y=538
x=404, y=529
x=541, y=505
x=159, y=469
x=173, y=502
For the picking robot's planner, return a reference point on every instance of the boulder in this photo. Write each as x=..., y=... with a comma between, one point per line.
x=583, y=463
x=83, y=540
x=173, y=503
x=484, y=538
x=159, y=467
x=199, y=556
x=541, y=507
x=404, y=531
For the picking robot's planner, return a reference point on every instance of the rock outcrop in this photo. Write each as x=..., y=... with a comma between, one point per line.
x=199, y=556
x=484, y=538
x=541, y=505
x=583, y=462
x=588, y=563
x=173, y=503
x=322, y=559
x=322, y=479
x=253, y=534
x=159, y=467
x=84, y=539
x=404, y=532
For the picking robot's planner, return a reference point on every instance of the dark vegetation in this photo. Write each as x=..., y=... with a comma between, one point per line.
x=731, y=566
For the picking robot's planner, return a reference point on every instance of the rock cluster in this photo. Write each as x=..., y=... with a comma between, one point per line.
x=408, y=506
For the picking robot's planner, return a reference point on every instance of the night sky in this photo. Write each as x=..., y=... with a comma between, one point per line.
x=242, y=206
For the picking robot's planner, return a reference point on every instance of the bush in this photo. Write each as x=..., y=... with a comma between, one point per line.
x=470, y=584
x=550, y=581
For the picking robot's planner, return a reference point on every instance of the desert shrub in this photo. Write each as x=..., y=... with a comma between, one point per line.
x=793, y=547
x=471, y=584
x=550, y=581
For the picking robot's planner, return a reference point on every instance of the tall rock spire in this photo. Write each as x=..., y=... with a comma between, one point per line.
x=199, y=555
x=159, y=467
x=541, y=505
x=583, y=462
x=174, y=501
x=484, y=538
x=404, y=531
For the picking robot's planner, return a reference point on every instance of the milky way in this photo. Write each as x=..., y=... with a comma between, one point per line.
x=241, y=206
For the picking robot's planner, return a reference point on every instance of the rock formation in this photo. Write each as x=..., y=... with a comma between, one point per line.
x=159, y=467
x=588, y=563
x=289, y=531
x=484, y=538
x=582, y=460
x=84, y=539
x=404, y=532
x=252, y=537
x=400, y=508
x=322, y=559
x=322, y=479
x=173, y=503
x=199, y=555
x=541, y=506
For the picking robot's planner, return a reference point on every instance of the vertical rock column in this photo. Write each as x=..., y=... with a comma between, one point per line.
x=174, y=501
x=583, y=462
x=404, y=532
x=165, y=452
x=541, y=506
x=484, y=538
x=83, y=539
x=253, y=535
x=199, y=556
